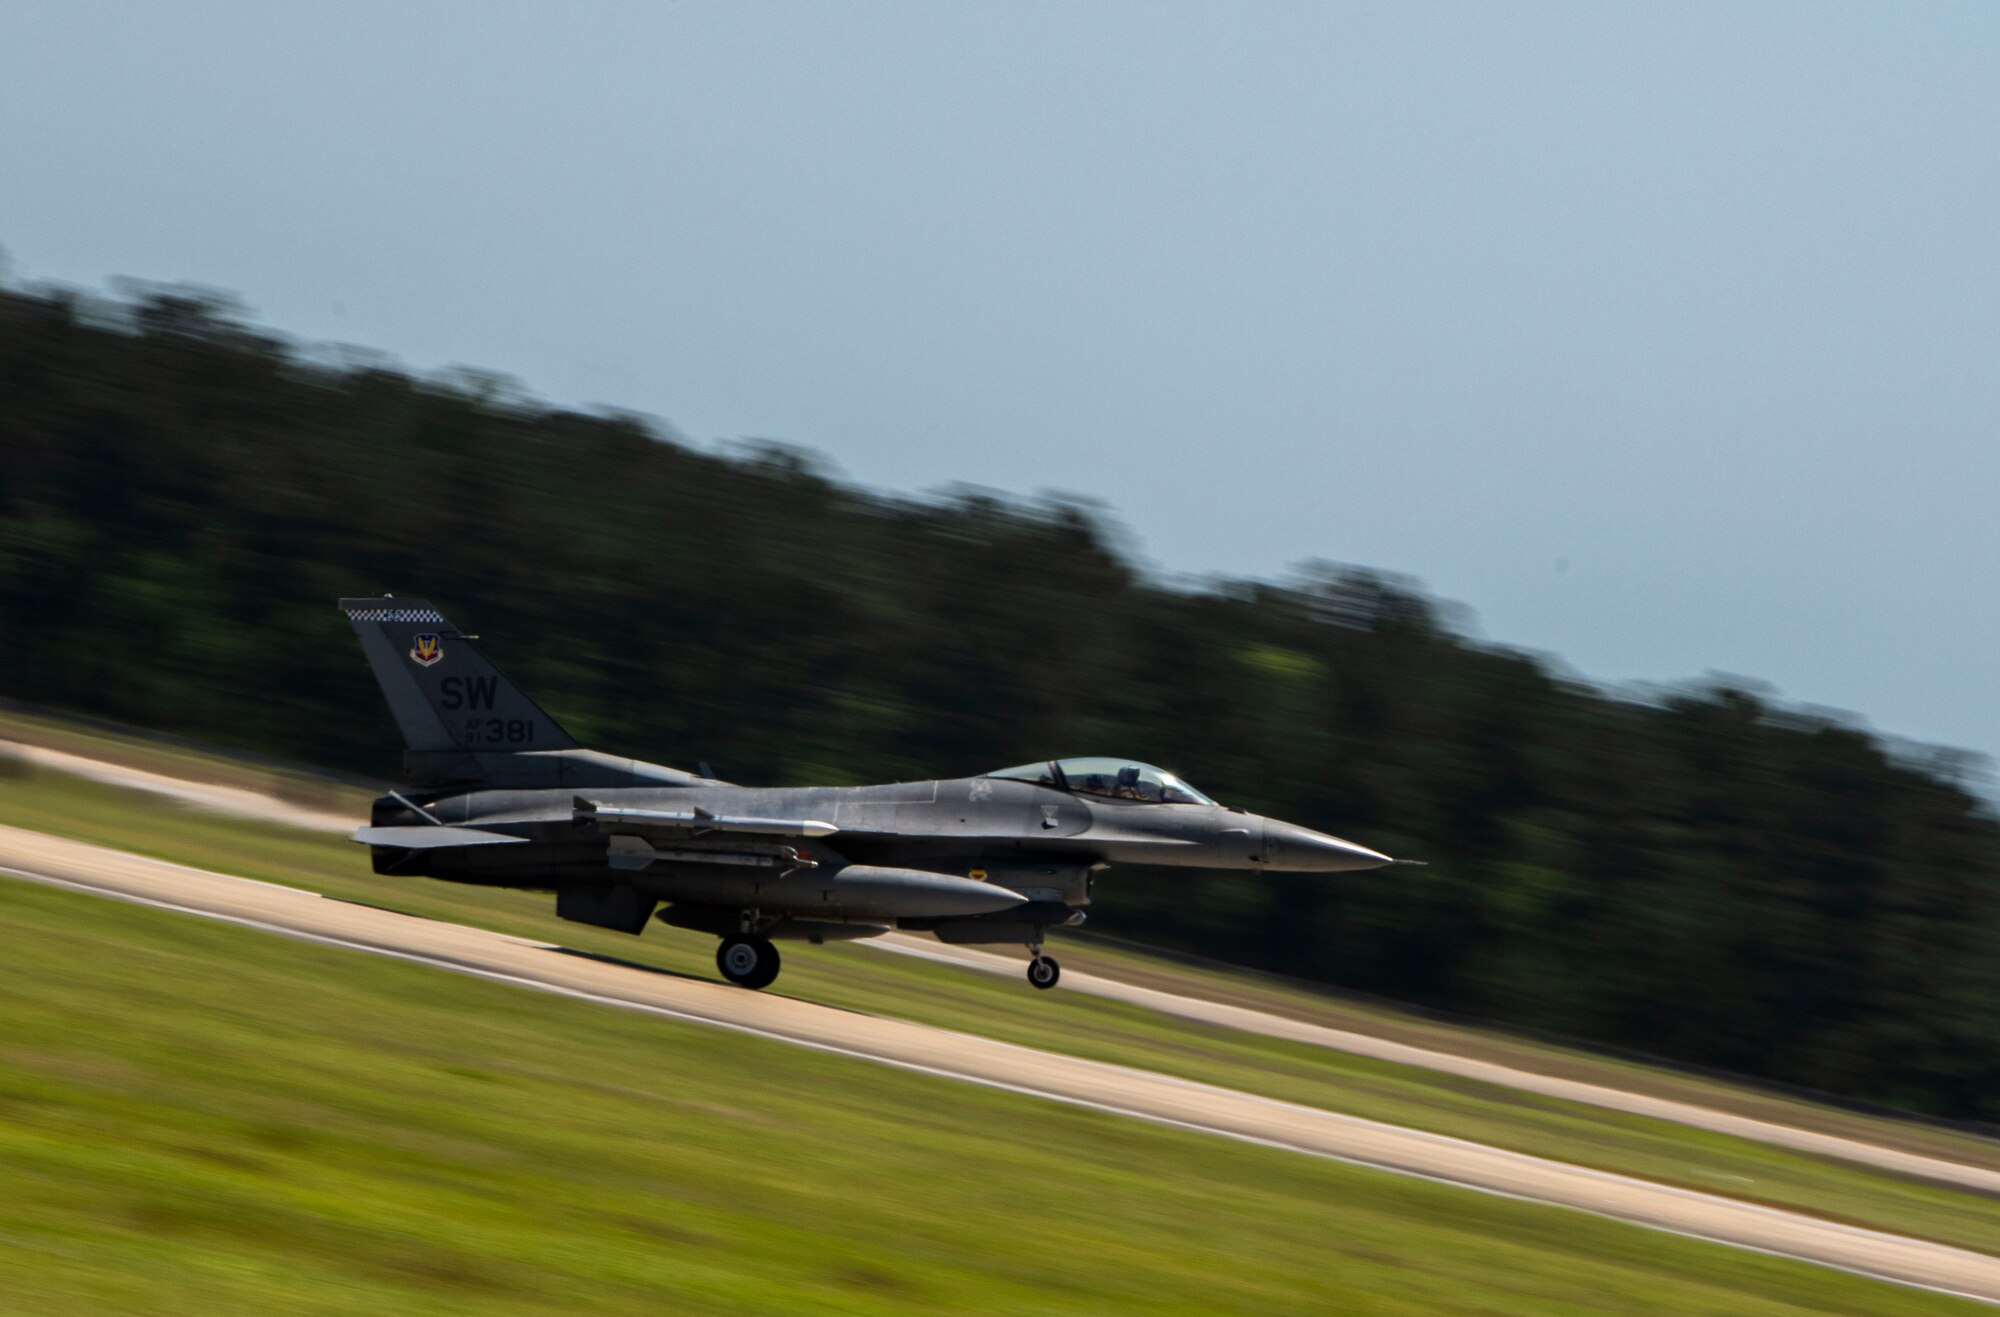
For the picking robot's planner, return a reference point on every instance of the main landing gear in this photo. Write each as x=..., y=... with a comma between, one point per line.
x=1043, y=970
x=747, y=960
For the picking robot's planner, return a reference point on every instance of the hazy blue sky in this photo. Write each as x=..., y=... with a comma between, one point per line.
x=1666, y=338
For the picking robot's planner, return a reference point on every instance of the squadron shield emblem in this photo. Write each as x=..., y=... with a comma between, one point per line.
x=425, y=650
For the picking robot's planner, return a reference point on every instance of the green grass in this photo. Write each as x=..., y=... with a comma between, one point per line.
x=863, y=979
x=201, y=1118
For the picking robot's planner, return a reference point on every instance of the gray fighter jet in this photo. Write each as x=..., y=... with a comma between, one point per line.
x=498, y=794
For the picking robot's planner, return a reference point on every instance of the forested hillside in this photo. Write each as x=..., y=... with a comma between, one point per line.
x=1704, y=876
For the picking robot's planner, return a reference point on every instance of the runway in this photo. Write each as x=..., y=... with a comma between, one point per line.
x=1135, y=1093
x=210, y=796
x=1980, y=1179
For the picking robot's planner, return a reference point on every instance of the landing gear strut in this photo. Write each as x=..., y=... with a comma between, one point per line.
x=1043, y=970
x=747, y=960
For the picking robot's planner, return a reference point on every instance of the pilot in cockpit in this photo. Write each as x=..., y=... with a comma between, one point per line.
x=1112, y=778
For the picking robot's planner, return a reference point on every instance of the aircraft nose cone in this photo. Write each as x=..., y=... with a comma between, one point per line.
x=1301, y=850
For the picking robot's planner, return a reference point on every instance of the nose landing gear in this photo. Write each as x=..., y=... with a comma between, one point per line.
x=747, y=960
x=1042, y=970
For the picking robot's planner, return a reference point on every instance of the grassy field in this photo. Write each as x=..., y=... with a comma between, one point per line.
x=199, y=1118
x=863, y=979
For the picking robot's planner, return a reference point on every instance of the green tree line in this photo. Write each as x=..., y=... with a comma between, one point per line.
x=1702, y=875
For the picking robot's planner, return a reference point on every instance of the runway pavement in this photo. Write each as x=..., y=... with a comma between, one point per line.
x=210, y=796
x=1130, y=1092
x=1981, y=1179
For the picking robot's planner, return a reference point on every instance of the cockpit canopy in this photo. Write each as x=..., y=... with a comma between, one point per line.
x=1117, y=779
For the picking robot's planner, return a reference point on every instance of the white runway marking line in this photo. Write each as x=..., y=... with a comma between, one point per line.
x=1827, y=1232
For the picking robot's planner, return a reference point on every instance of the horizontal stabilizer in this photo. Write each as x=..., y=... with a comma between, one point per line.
x=421, y=837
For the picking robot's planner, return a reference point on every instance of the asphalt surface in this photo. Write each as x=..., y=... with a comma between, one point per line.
x=1130, y=1092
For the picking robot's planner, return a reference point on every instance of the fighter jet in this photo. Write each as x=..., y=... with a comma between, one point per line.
x=498, y=794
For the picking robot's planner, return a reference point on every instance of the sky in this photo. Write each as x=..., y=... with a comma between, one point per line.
x=1665, y=338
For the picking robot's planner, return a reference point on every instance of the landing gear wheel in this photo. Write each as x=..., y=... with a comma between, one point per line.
x=1043, y=971
x=748, y=962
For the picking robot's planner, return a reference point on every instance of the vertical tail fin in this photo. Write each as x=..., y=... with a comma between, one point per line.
x=446, y=697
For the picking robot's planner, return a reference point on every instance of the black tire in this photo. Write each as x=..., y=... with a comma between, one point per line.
x=1043, y=972
x=748, y=962
x=772, y=963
